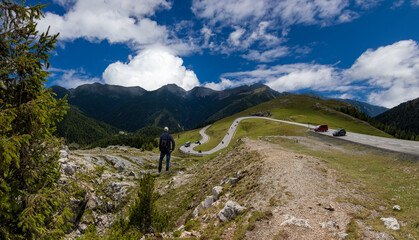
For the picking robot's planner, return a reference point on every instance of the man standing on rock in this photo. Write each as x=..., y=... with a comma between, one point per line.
x=166, y=146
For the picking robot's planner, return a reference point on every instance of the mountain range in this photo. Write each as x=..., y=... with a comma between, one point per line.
x=132, y=108
x=98, y=110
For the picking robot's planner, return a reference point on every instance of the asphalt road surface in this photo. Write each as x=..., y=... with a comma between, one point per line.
x=397, y=145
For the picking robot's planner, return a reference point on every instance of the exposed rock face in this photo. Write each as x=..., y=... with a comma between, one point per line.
x=63, y=153
x=391, y=223
x=230, y=211
x=108, y=177
x=291, y=220
x=117, y=162
x=216, y=191
x=69, y=168
x=118, y=190
x=198, y=208
x=208, y=202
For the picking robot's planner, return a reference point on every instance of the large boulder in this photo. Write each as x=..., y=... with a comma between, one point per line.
x=230, y=211
x=198, y=209
x=216, y=191
x=391, y=223
x=209, y=200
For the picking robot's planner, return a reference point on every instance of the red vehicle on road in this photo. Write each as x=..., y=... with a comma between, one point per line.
x=321, y=128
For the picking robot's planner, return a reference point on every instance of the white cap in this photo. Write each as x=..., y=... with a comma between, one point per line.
x=166, y=129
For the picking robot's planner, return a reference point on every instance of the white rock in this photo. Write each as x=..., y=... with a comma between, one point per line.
x=291, y=220
x=83, y=227
x=391, y=223
x=216, y=191
x=209, y=200
x=198, y=209
x=342, y=235
x=330, y=224
x=397, y=208
x=230, y=211
x=63, y=154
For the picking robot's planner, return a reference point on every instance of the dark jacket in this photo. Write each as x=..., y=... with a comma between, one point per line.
x=170, y=143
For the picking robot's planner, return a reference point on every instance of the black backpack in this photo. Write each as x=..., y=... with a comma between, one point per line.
x=164, y=144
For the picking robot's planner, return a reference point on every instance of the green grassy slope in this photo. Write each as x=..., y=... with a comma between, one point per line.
x=296, y=108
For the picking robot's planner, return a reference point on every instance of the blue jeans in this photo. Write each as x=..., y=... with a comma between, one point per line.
x=167, y=161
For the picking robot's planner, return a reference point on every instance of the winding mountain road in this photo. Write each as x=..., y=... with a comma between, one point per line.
x=397, y=145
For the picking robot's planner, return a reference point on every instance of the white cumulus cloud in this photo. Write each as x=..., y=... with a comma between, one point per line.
x=151, y=69
x=290, y=77
x=392, y=70
x=113, y=20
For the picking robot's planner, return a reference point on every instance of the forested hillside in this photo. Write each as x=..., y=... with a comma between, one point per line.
x=404, y=117
x=77, y=128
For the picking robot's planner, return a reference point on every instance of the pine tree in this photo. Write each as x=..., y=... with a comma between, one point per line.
x=141, y=214
x=30, y=204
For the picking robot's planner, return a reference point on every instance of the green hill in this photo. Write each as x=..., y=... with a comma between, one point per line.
x=404, y=117
x=297, y=108
x=78, y=128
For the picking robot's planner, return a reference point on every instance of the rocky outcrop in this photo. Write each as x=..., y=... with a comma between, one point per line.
x=230, y=211
x=391, y=223
x=107, y=182
x=216, y=192
x=118, y=190
x=117, y=163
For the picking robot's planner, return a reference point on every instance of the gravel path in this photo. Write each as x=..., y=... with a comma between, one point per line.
x=398, y=145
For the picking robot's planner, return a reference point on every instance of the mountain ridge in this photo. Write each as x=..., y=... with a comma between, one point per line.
x=131, y=108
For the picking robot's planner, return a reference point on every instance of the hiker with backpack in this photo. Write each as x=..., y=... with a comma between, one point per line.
x=166, y=146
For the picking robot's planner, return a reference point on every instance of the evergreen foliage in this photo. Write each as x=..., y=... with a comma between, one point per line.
x=398, y=133
x=144, y=214
x=151, y=131
x=404, y=117
x=77, y=128
x=145, y=143
x=30, y=204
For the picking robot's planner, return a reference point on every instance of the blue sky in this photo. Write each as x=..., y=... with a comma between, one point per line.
x=361, y=49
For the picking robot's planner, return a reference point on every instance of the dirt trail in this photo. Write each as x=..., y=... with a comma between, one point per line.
x=303, y=187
